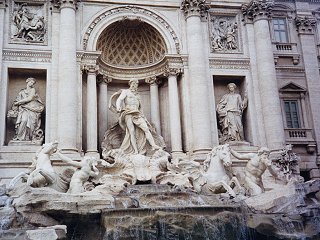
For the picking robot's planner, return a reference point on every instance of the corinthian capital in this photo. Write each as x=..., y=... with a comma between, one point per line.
x=172, y=72
x=194, y=7
x=305, y=24
x=257, y=9
x=64, y=3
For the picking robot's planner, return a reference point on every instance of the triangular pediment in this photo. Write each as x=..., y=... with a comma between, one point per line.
x=292, y=87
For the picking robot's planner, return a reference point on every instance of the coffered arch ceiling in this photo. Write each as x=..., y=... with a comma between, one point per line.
x=131, y=43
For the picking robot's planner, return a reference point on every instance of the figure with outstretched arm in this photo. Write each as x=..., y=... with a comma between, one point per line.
x=86, y=169
x=132, y=121
x=256, y=166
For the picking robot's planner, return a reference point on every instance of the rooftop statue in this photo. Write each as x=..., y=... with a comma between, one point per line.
x=230, y=109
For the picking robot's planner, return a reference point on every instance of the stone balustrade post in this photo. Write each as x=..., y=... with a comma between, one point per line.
x=92, y=112
x=154, y=103
x=258, y=12
x=174, y=110
x=199, y=97
x=103, y=105
x=67, y=91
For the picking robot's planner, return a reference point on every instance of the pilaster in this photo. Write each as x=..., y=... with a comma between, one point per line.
x=306, y=25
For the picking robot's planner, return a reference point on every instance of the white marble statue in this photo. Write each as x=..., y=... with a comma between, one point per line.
x=27, y=108
x=257, y=164
x=216, y=165
x=211, y=178
x=131, y=119
x=41, y=173
x=230, y=109
x=86, y=168
x=28, y=26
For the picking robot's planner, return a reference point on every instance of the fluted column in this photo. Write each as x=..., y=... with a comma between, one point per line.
x=199, y=94
x=92, y=112
x=258, y=12
x=306, y=30
x=154, y=103
x=68, y=95
x=174, y=110
x=103, y=106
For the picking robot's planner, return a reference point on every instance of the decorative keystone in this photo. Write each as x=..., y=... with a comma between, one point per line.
x=194, y=7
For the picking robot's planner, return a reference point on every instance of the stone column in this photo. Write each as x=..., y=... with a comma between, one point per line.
x=306, y=31
x=154, y=103
x=103, y=106
x=199, y=97
x=3, y=89
x=92, y=113
x=258, y=12
x=68, y=95
x=174, y=111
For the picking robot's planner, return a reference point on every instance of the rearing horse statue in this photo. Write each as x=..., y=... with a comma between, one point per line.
x=214, y=178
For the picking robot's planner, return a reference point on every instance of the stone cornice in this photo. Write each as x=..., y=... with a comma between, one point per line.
x=158, y=69
x=26, y=56
x=257, y=9
x=194, y=8
x=305, y=24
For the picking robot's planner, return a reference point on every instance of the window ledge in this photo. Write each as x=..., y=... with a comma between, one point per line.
x=286, y=50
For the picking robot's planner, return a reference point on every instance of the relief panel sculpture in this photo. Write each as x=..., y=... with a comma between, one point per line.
x=224, y=34
x=26, y=112
x=28, y=23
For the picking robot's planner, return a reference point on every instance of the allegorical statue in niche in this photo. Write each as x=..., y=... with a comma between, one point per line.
x=230, y=109
x=27, y=109
x=132, y=121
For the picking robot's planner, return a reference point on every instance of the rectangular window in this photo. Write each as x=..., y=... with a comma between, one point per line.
x=280, y=30
x=292, y=114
